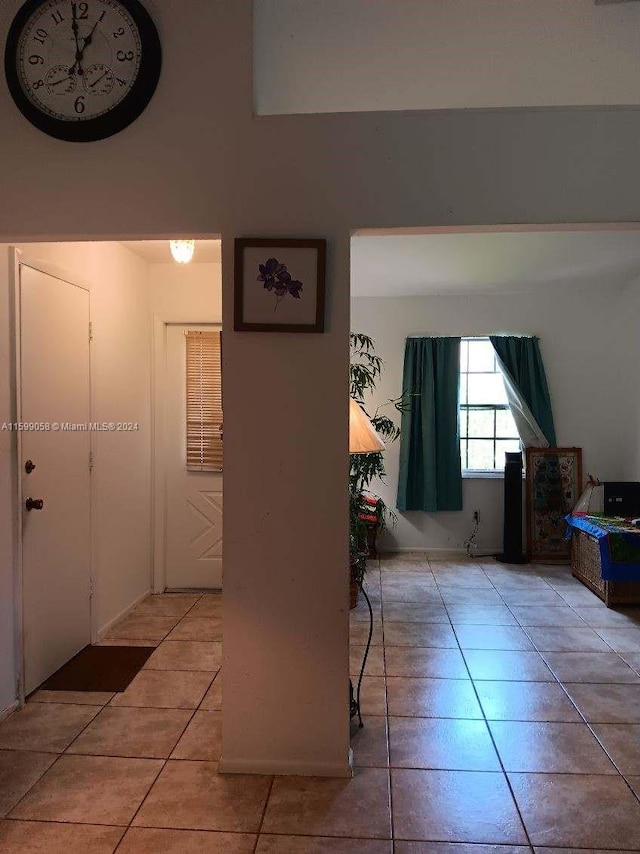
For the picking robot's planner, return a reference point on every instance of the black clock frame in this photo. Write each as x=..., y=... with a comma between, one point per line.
x=116, y=119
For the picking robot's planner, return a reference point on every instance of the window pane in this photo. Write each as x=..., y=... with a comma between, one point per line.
x=463, y=388
x=480, y=454
x=463, y=423
x=481, y=356
x=505, y=425
x=486, y=388
x=463, y=354
x=502, y=446
x=481, y=423
x=463, y=453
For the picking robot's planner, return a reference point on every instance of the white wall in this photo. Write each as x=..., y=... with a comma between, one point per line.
x=587, y=373
x=189, y=293
x=631, y=355
x=321, y=56
x=198, y=162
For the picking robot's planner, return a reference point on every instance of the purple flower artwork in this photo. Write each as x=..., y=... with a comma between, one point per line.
x=278, y=280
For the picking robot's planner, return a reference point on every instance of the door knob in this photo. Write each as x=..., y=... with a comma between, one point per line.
x=29, y=466
x=34, y=503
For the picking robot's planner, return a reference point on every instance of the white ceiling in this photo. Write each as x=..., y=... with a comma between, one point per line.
x=158, y=252
x=493, y=262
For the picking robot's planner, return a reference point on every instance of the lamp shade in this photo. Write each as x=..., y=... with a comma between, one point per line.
x=363, y=439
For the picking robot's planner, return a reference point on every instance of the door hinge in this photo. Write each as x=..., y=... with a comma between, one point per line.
x=90, y=331
x=90, y=460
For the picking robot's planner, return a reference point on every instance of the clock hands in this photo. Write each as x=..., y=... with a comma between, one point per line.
x=85, y=42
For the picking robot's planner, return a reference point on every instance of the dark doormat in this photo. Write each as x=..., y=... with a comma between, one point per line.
x=99, y=668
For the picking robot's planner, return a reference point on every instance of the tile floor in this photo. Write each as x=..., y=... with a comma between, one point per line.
x=502, y=714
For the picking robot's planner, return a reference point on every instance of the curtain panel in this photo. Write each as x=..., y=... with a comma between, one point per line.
x=430, y=477
x=525, y=382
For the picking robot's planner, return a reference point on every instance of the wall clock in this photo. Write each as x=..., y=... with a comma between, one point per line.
x=82, y=71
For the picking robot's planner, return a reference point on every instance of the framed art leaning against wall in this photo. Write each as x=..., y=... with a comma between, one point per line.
x=553, y=486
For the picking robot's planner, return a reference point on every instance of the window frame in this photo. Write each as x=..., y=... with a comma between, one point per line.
x=465, y=408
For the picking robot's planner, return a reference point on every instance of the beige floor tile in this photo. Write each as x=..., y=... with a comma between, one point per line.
x=167, y=604
x=419, y=634
x=599, y=616
x=141, y=733
x=480, y=615
x=370, y=743
x=549, y=748
x=622, y=639
x=110, y=641
x=269, y=844
x=471, y=596
x=542, y=850
x=165, y=689
x=37, y=837
x=507, y=665
x=90, y=790
x=375, y=660
x=632, y=659
x=198, y=629
x=492, y=637
x=562, y=639
x=209, y=606
x=358, y=807
x=359, y=632
x=476, y=579
x=432, y=698
x=607, y=703
x=455, y=806
x=76, y=698
x=422, y=662
x=46, y=727
x=403, y=590
x=634, y=782
x=543, y=615
x=373, y=698
x=19, y=770
x=457, y=745
x=622, y=743
x=590, y=667
x=193, y=796
x=361, y=612
x=458, y=848
x=526, y=701
x=417, y=612
x=540, y=597
x=423, y=578
x=202, y=739
x=151, y=840
x=186, y=655
x=212, y=701
x=578, y=596
x=580, y=811
x=142, y=626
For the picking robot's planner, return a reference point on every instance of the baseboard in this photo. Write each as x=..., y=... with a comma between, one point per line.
x=125, y=612
x=4, y=714
x=294, y=769
x=437, y=554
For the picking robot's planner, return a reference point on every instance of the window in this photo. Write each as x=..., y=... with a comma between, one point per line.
x=204, y=401
x=487, y=428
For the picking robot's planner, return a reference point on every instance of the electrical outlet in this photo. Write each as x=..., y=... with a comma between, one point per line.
x=476, y=516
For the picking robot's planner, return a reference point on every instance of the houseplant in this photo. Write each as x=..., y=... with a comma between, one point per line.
x=365, y=368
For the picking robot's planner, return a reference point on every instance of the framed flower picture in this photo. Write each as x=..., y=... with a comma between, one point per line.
x=279, y=285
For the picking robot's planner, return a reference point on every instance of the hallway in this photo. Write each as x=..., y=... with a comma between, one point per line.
x=501, y=706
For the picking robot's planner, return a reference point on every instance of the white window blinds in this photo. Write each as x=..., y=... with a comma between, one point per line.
x=204, y=401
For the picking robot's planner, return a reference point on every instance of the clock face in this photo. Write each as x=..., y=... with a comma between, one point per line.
x=82, y=70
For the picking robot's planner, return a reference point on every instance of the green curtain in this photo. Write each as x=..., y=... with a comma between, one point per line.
x=521, y=360
x=430, y=469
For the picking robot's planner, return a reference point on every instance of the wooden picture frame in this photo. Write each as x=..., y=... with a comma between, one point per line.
x=279, y=285
x=553, y=487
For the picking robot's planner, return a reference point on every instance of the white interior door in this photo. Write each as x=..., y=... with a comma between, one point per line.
x=56, y=547
x=194, y=499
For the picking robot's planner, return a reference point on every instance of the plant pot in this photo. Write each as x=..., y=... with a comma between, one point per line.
x=354, y=591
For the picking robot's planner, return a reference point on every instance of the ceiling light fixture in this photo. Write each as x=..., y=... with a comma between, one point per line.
x=182, y=250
